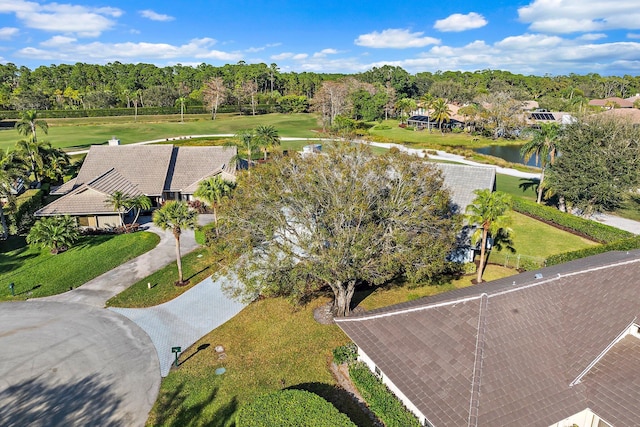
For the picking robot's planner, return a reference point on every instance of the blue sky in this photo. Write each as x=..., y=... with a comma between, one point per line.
x=348, y=36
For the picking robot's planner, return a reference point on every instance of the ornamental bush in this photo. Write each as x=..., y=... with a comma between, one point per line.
x=291, y=408
x=382, y=402
x=345, y=353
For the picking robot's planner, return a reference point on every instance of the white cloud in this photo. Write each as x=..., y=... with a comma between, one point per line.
x=281, y=56
x=395, y=38
x=261, y=48
x=6, y=33
x=63, y=18
x=57, y=41
x=154, y=16
x=65, y=49
x=592, y=36
x=324, y=52
x=633, y=36
x=569, y=16
x=459, y=22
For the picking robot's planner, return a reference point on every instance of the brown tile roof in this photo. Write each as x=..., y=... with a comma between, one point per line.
x=515, y=358
x=631, y=114
x=189, y=165
x=622, y=103
x=144, y=165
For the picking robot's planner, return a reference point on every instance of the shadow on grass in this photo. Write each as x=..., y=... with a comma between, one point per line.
x=173, y=410
x=198, y=350
x=196, y=273
x=529, y=184
x=340, y=398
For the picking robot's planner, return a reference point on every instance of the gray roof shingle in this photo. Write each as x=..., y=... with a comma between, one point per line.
x=463, y=180
x=539, y=336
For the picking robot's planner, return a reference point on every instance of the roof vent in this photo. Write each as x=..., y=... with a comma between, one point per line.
x=538, y=276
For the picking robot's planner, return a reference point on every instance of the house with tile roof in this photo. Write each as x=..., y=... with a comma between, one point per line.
x=161, y=172
x=556, y=347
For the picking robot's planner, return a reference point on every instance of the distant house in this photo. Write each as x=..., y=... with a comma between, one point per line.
x=555, y=347
x=161, y=172
x=543, y=116
x=611, y=102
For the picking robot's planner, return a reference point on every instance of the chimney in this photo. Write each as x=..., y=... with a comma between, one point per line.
x=114, y=141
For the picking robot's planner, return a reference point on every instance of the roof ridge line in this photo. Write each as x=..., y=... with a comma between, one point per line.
x=407, y=310
x=563, y=275
x=617, y=339
x=474, y=400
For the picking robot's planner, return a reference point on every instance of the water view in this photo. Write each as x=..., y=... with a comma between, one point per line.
x=510, y=153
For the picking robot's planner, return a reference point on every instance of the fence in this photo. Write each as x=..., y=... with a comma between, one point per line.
x=517, y=261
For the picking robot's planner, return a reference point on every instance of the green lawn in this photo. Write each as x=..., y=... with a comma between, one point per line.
x=80, y=133
x=520, y=187
x=37, y=273
x=196, y=266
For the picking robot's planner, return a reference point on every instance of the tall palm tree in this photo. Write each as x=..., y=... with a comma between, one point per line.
x=212, y=190
x=176, y=216
x=181, y=101
x=266, y=136
x=120, y=202
x=28, y=124
x=55, y=232
x=55, y=164
x=427, y=101
x=441, y=112
x=488, y=211
x=138, y=203
x=245, y=140
x=544, y=147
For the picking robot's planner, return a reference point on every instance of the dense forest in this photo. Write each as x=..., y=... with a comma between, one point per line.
x=117, y=85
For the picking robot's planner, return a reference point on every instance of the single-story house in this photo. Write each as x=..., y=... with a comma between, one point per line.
x=611, y=102
x=160, y=172
x=556, y=347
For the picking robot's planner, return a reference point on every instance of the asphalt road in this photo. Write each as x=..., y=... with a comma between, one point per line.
x=66, y=364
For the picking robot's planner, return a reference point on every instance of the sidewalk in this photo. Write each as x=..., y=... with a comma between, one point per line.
x=99, y=290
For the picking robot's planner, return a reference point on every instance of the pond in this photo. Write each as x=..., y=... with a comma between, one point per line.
x=510, y=153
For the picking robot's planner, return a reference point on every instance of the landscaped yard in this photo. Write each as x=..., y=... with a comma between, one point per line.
x=37, y=273
x=80, y=133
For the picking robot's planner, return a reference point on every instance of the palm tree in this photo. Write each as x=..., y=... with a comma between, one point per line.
x=543, y=146
x=120, y=201
x=138, y=203
x=55, y=164
x=55, y=232
x=13, y=172
x=441, y=112
x=246, y=141
x=266, y=136
x=181, y=101
x=427, y=102
x=212, y=190
x=488, y=210
x=176, y=216
x=405, y=105
x=35, y=153
x=28, y=124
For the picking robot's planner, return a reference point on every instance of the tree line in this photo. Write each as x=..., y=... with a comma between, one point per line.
x=371, y=94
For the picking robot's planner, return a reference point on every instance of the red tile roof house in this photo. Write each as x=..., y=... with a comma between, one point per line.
x=161, y=172
x=555, y=347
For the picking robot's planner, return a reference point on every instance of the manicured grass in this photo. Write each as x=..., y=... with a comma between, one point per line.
x=37, y=273
x=80, y=133
x=269, y=346
x=519, y=187
x=426, y=139
x=536, y=240
x=196, y=266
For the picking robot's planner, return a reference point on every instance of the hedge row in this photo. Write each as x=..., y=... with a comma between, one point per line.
x=142, y=111
x=593, y=230
x=384, y=404
x=621, y=245
x=291, y=408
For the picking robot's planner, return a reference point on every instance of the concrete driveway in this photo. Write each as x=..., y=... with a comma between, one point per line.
x=74, y=365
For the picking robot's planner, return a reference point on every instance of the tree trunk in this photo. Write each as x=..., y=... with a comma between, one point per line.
x=343, y=293
x=215, y=218
x=562, y=204
x=540, y=187
x=483, y=249
x=176, y=234
x=3, y=222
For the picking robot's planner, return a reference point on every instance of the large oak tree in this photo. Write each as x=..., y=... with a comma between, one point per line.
x=336, y=220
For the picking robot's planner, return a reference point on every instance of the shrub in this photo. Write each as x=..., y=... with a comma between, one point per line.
x=21, y=218
x=469, y=268
x=384, y=404
x=291, y=408
x=345, y=353
x=621, y=245
x=593, y=230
